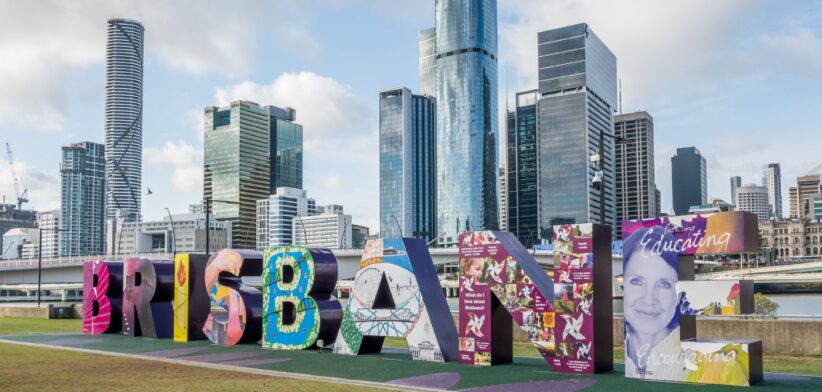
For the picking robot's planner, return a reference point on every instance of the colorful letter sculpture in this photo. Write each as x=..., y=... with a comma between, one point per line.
x=102, y=297
x=191, y=301
x=298, y=303
x=582, y=295
x=661, y=300
x=240, y=316
x=496, y=263
x=397, y=293
x=148, y=290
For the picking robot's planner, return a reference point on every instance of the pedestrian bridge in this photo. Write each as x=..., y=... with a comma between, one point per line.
x=63, y=275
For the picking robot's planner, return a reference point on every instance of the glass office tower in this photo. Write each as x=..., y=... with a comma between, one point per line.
x=522, y=212
x=407, y=165
x=82, y=200
x=236, y=166
x=577, y=88
x=466, y=95
x=689, y=179
x=286, y=149
x=124, y=118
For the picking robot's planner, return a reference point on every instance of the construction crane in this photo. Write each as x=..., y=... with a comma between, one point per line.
x=21, y=197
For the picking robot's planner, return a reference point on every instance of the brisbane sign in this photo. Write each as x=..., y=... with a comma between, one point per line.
x=568, y=317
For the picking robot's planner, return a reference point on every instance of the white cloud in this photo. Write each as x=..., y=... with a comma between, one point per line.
x=328, y=109
x=184, y=160
x=43, y=189
x=44, y=44
x=339, y=136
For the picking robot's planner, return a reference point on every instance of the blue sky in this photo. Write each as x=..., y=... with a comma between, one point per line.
x=741, y=80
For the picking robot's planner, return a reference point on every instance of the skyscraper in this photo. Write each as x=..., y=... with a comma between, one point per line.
x=522, y=190
x=753, y=198
x=772, y=179
x=237, y=166
x=635, y=183
x=689, y=178
x=82, y=200
x=466, y=91
x=428, y=61
x=407, y=165
x=124, y=118
x=577, y=98
x=286, y=149
x=736, y=182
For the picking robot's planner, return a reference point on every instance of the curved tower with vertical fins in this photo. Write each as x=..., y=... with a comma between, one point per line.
x=124, y=118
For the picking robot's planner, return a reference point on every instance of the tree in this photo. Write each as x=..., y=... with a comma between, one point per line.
x=764, y=307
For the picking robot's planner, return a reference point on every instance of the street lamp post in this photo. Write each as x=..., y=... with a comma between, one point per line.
x=173, y=234
x=207, y=203
x=40, y=258
x=397, y=221
x=601, y=159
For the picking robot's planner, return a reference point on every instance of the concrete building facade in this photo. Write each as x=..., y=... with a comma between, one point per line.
x=754, y=198
x=331, y=228
x=635, y=175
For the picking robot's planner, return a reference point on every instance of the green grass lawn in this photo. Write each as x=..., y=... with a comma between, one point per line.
x=22, y=369
x=21, y=326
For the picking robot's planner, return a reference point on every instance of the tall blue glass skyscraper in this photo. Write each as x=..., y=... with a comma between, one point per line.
x=407, y=165
x=465, y=65
x=286, y=149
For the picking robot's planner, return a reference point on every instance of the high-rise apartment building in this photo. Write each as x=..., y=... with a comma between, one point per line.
x=407, y=165
x=635, y=183
x=465, y=67
x=124, y=119
x=49, y=222
x=806, y=186
x=237, y=166
x=689, y=178
x=577, y=99
x=753, y=198
x=331, y=228
x=736, y=182
x=521, y=184
x=286, y=149
x=276, y=214
x=772, y=179
x=793, y=202
x=83, y=200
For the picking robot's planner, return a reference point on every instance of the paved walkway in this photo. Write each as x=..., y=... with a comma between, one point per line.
x=393, y=369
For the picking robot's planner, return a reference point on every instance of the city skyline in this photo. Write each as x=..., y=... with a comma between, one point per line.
x=172, y=145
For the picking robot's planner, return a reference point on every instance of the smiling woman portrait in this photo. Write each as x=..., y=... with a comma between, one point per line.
x=651, y=304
